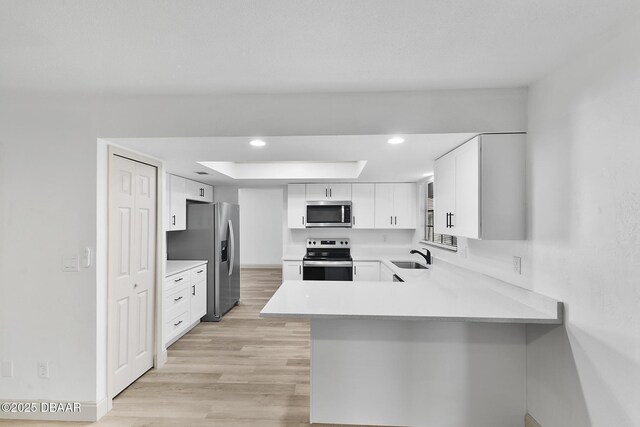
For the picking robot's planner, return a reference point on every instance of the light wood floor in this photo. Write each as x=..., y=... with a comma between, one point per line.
x=243, y=371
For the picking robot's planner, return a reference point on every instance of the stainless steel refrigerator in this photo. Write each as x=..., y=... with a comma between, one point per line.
x=212, y=234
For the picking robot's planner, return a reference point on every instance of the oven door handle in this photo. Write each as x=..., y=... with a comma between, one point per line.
x=327, y=263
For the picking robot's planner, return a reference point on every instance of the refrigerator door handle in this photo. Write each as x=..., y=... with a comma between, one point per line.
x=232, y=239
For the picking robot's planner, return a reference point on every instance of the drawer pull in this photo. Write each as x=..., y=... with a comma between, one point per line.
x=177, y=299
x=198, y=272
x=193, y=292
x=176, y=324
x=178, y=280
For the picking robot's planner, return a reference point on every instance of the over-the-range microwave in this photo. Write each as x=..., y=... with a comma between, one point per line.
x=328, y=214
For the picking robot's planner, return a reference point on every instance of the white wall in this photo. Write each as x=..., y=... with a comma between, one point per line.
x=583, y=247
x=260, y=226
x=48, y=194
x=584, y=153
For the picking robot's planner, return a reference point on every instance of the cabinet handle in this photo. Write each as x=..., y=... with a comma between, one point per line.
x=451, y=221
x=395, y=221
x=177, y=299
x=299, y=269
x=174, y=219
x=302, y=219
x=391, y=220
x=178, y=280
x=330, y=193
x=447, y=226
x=198, y=272
x=353, y=220
x=193, y=291
x=176, y=324
x=326, y=191
x=355, y=270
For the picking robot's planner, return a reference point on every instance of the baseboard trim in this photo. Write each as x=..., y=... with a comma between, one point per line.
x=270, y=266
x=529, y=421
x=60, y=411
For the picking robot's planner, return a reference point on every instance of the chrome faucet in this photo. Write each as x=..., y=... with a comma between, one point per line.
x=426, y=257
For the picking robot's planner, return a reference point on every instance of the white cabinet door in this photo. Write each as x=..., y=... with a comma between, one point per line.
x=316, y=192
x=465, y=221
x=177, y=203
x=199, y=192
x=292, y=270
x=340, y=192
x=296, y=205
x=366, y=271
x=363, y=205
x=395, y=205
x=444, y=190
x=383, y=211
x=386, y=275
x=198, y=291
x=198, y=300
x=404, y=205
x=208, y=193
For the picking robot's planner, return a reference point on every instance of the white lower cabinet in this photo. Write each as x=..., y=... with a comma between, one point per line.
x=198, y=294
x=386, y=274
x=364, y=271
x=185, y=301
x=292, y=270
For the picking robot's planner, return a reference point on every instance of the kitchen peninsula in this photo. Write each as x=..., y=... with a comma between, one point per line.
x=447, y=344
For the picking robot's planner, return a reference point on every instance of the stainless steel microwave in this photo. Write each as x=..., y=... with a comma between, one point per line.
x=328, y=214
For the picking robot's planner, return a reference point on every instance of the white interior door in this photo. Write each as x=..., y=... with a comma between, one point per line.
x=132, y=257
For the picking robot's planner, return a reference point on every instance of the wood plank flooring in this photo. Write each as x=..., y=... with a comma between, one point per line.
x=243, y=371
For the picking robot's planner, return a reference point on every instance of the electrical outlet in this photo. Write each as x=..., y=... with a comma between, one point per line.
x=43, y=369
x=517, y=265
x=7, y=368
x=463, y=251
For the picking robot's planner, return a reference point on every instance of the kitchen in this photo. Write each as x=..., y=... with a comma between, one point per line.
x=575, y=102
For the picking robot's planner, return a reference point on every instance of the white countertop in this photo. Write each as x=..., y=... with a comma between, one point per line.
x=175, y=267
x=442, y=292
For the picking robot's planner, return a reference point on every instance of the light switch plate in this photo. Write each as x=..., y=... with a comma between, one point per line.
x=70, y=263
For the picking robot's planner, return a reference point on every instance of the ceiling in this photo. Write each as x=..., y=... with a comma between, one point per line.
x=250, y=46
x=406, y=162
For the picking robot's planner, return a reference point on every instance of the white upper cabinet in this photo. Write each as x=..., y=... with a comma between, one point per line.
x=395, y=205
x=177, y=203
x=179, y=190
x=199, y=192
x=338, y=192
x=362, y=205
x=296, y=205
x=479, y=189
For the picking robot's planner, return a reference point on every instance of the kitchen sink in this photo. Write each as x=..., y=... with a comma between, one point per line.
x=409, y=265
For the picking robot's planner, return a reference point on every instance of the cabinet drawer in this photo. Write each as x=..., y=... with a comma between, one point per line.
x=198, y=274
x=176, y=280
x=176, y=325
x=180, y=298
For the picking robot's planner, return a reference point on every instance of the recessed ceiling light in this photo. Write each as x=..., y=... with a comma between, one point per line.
x=257, y=143
x=395, y=140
